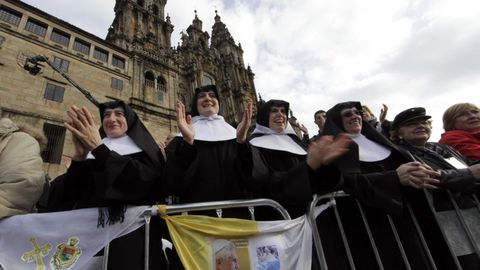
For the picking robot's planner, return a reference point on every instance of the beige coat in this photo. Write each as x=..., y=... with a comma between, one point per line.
x=21, y=172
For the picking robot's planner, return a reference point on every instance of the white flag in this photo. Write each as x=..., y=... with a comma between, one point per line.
x=229, y=243
x=60, y=240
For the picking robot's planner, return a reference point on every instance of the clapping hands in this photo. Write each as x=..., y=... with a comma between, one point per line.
x=84, y=131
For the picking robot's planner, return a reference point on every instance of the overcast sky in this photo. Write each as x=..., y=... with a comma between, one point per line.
x=316, y=53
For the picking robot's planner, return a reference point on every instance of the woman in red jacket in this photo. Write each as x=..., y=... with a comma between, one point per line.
x=462, y=130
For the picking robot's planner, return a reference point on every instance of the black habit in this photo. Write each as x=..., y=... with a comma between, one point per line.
x=376, y=190
x=205, y=171
x=112, y=181
x=212, y=169
x=280, y=171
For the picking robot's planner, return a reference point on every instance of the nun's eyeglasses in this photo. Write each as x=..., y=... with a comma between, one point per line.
x=349, y=113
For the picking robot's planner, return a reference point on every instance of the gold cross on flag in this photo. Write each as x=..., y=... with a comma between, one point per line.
x=37, y=254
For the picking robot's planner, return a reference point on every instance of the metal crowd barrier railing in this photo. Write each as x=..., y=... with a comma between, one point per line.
x=191, y=207
x=470, y=232
x=334, y=200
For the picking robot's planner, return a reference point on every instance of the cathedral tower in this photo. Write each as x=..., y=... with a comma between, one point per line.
x=237, y=80
x=221, y=63
x=140, y=24
x=136, y=64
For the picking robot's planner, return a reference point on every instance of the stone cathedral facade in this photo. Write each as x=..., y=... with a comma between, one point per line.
x=136, y=63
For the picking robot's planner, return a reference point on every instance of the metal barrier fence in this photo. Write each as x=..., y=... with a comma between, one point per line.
x=191, y=207
x=453, y=244
x=437, y=241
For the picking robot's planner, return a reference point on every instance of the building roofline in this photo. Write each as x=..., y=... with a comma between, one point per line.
x=67, y=25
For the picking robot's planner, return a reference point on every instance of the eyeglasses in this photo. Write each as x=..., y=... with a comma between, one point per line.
x=349, y=113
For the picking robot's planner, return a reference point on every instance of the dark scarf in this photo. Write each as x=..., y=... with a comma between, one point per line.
x=136, y=130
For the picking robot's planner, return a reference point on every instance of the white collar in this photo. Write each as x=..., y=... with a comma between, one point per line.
x=368, y=150
x=123, y=146
x=259, y=129
x=212, y=128
x=276, y=141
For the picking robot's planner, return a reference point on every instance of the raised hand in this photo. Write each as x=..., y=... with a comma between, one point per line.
x=303, y=129
x=244, y=125
x=80, y=152
x=417, y=175
x=84, y=128
x=185, y=123
x=383, y=113
x=326, y=149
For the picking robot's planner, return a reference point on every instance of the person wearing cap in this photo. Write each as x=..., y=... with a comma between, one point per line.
x=411, y=130
x=386, y=184
x=372, y=153
x=283, y=169
x=204, y=161
x=461, y=123
x=118, y=165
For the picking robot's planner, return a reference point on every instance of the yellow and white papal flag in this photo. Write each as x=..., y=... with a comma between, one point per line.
x=61, y=240
x=210, y=243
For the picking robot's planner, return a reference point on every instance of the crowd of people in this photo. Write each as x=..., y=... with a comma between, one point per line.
x=387, y=166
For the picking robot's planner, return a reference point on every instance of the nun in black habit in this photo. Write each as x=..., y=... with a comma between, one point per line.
x=384, y=180
x=113, y=167
x=284, y=170
x=207, y=160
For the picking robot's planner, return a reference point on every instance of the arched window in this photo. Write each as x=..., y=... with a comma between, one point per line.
x=207, y=80
x=155, y=9
x=161, y=88
x=149, y=79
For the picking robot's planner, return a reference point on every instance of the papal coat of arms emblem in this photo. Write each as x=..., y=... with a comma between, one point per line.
x=66, y=255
